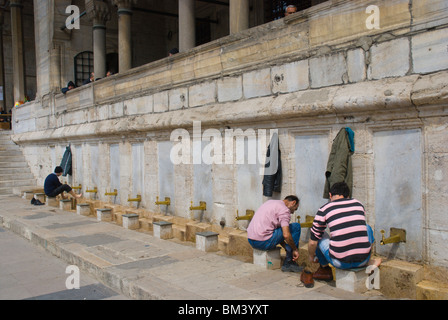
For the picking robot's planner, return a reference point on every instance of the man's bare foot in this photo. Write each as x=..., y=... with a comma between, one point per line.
x=375, y=262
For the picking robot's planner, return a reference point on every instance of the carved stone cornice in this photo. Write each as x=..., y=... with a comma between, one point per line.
x=98, y=12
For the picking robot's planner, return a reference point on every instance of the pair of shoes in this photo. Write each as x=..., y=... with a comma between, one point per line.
x=36, y=202
x=291, y=266
x=323, y=273
x=307, y=279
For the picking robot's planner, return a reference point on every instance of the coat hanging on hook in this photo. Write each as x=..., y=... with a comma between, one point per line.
x=66, y=162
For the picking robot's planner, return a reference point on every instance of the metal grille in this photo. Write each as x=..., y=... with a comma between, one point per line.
x=83, y=66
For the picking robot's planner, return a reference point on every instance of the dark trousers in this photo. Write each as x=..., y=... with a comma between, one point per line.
x=59, y=190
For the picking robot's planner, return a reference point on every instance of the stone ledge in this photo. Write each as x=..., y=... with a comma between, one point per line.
x=382, y=95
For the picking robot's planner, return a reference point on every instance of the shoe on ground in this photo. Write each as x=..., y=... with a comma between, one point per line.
x=323, y=273
x=291, y=266
x=307, y=279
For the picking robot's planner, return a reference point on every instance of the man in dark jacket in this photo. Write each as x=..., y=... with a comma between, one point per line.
x=53, y=187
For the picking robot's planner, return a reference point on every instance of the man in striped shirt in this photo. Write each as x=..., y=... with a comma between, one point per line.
x=350, y=240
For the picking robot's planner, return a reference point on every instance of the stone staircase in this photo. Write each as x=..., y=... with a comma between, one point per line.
x=14, y=171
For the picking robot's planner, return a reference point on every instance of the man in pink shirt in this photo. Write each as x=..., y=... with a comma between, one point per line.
x=271, y=226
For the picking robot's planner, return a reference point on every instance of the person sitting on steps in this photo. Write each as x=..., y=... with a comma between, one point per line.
x=271, y=226
x=349, y=243
x=53, y=187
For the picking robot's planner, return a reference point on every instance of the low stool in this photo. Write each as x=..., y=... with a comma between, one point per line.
x=207, y=241
x=83, y=209
x=353, y=280
x=130, y=221
x=163, y=229
x=270, y=259
x=104, y=214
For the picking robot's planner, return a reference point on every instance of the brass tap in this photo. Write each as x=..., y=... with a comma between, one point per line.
x=249, y=215
x=167, y=201
x=77, y=187
x=94, y=190
x=114, y=193
x=396, y=236
x=138, y=199
x=308, y=221
x=202, y=206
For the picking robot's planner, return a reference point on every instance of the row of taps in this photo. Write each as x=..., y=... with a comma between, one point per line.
x=396, y=235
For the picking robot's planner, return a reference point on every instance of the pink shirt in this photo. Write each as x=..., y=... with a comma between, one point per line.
x=271, y=215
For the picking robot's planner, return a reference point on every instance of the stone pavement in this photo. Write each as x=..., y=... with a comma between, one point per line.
x=28, y=272
x=141, y=266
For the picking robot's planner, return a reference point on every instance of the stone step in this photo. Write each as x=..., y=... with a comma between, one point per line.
x=15, y=164
x=15, y=170
x=431, y=290
x=11, y=158
x=20, y=175
x=17, y=183
x=11, y=151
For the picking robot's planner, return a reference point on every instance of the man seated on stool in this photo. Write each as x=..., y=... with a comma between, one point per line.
x=271, y=226
x=53, y=187
x=349, y=243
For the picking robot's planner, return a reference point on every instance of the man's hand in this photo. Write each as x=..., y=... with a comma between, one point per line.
x=295, y=255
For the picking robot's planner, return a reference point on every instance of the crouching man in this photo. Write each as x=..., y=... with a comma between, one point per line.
x=271, y=226
x=349, y=243
x=53, y=187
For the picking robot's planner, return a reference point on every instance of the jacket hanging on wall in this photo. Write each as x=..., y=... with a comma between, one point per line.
x=66, y=162
x=339, y=166
x=272, y=179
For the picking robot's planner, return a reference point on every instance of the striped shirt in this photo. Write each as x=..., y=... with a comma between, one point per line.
x=346, y=220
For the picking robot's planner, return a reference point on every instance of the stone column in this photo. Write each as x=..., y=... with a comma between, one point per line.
x=124, y=33
x=17, y=51
x=187, y=28
x=2, y=69
x=239, y=15
x=99, y=13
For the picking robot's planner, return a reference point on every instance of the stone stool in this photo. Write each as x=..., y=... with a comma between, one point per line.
x=163, y=229
x=104, y=214
x=207, y=241
x=130, y=221
x=83, y=209
x=353, y=280
x=52, y=201
x=28, y=195
x=269, y=259
x=65, y=204
x=40, y=197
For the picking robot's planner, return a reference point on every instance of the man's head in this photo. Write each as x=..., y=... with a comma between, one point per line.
x=292, y=202
x=339, y=190
x=290, y=10
x=58, y=170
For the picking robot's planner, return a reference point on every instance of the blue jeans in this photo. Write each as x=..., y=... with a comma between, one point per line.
x=277, y=238
x=323, y=253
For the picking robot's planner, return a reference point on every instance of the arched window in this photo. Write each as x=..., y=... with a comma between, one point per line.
x=83, y=66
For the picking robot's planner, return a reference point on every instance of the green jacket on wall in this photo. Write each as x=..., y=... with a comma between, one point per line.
x=339, y=166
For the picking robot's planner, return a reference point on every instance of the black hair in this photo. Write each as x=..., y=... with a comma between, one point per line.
x=292, y=198
x=340, y=188
x=58, y=169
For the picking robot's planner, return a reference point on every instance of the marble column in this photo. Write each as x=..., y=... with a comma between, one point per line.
x=238, y=15
x=2, y=68
x=17, y=50
x=99, y=13
x=124, y=33
x=187, y=27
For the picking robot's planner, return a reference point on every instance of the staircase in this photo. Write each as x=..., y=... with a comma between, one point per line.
x=14, y=171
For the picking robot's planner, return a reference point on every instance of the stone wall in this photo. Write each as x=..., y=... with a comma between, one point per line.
x=307, y=76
